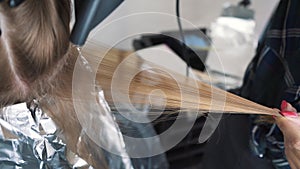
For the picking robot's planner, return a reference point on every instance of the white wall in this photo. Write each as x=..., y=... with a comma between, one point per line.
x=198, y=12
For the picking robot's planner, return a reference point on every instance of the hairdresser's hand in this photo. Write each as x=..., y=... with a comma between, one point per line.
x=290, y=127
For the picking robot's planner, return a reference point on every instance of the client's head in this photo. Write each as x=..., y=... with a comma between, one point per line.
x=34, y=40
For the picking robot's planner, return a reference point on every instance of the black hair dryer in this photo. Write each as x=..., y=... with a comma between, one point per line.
x=88, y=14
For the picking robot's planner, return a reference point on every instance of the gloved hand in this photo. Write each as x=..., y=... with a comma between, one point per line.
x=289, y=124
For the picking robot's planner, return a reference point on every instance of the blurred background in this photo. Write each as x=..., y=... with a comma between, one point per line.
x=201, y=13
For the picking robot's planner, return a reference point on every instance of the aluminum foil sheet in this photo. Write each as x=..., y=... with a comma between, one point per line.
x=28, y=141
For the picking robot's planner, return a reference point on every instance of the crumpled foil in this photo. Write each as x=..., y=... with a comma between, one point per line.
x=28, y=141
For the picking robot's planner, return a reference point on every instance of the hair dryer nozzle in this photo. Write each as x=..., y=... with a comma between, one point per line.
x=89, y=13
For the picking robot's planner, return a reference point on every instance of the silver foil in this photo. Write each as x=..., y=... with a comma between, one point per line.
x=28, y=141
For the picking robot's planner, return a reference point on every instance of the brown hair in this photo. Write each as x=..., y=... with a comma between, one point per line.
x=34, y=41
x=36, y=60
